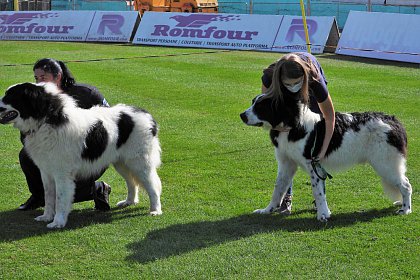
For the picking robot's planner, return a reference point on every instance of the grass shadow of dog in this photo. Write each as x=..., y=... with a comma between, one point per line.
x=183, y=238
x=17, y=225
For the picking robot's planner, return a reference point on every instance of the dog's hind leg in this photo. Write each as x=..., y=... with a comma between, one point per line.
x=65, y=188
x=286, y=171
x=49, y=194
x=396, y=185
x=406, y=190
x=131, y=184
x=318, y=192
x=146, y=174
x=151, y=182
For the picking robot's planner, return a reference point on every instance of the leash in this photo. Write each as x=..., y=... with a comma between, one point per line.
x=316, y=165
x=315, y=161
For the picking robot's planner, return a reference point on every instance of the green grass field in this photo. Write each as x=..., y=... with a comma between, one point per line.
x=215, y=172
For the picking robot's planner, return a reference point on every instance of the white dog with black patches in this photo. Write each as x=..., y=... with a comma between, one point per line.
x=369, y=137
x=69, y=143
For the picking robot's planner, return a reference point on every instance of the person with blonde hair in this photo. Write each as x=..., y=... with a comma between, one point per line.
x=300, y=76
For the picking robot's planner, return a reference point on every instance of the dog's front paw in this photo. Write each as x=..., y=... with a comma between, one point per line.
x=323, y=217
x=55, y=224
x=44, y=218
x=125, y=203
x=60, y=220
x=404, y=211
x=155, y=213
x=264, y=211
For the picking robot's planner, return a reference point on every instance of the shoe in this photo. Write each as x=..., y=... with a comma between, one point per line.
x=32, y=203
x=101, y=196
x=286, y=205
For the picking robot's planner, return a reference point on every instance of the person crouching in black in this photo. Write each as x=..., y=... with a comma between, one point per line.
x=86, y=96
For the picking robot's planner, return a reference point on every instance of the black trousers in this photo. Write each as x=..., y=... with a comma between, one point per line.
x=84, y=188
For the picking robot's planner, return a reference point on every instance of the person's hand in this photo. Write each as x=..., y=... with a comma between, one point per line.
x=321, y=155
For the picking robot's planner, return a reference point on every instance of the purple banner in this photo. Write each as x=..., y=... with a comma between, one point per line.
x=247, y=32
x=241, y=32
x=291, y=36
x=48, y=26
x=112, y=26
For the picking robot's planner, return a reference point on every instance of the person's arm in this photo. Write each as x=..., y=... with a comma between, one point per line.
x=327, y=109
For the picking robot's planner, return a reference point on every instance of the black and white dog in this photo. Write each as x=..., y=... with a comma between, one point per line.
x=68, y=143
x=369, y=137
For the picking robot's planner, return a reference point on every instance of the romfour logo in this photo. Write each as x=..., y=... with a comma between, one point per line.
x=18, y=23
x=191, y=26
x=297, y=27
x=111, y=22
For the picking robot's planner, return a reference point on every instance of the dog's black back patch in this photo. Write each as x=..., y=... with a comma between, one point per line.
x=125, y=127
x=154, y=129
x=96, y=142
x=396, y=137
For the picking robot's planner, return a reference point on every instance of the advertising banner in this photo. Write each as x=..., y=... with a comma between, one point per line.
x=291, y=36
x=203, y=30
x=46, y=26
x=112, y=26
x=381, y=35
x=241, y=32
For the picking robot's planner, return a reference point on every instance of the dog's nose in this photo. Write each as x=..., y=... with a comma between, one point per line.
x=244, y=118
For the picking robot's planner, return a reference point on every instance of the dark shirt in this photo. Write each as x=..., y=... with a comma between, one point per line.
x=318, y=91
x=86, y=96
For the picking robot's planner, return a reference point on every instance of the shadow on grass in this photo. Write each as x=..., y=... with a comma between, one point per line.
x=16, y=225
x=183, y=238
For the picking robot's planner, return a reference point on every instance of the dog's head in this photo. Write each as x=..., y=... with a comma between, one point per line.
x=27, y=105
x=271, y=114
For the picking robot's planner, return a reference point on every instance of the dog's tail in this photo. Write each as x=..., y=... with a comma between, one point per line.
x=155, y=155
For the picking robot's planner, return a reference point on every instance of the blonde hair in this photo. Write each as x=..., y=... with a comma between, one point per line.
x=292, y=66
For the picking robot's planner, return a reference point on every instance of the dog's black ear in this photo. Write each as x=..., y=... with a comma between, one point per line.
x=44, y=104
x=55, y=114
x=53, y=106
x=38, y=102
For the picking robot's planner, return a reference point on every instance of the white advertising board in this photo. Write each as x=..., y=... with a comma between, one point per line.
x=202, y=30
x=381, y=35
x=240, y=32
x=46, y=26
x=291, y=36
x=112, y=26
